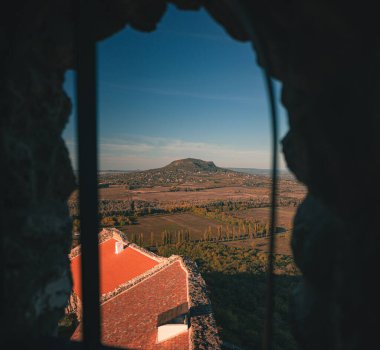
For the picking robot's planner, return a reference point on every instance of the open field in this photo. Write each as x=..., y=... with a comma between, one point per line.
x=194, y=196
x=196, y=225
x=163, y=194
x=166, y=194
x=156, y=224
x=284, y=217
x=262, y=244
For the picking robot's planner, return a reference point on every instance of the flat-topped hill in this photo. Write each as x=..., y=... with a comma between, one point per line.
x=193, y=165
x=178, y=172
x=192, y=174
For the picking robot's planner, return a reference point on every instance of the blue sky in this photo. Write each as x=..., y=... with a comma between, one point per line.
x=185, y=90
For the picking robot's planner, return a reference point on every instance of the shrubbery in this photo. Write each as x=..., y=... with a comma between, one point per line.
x=237, y=282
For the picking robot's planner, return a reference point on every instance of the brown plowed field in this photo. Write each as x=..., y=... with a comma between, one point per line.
x=262, y=244
x=171, y=223
x=162, y=194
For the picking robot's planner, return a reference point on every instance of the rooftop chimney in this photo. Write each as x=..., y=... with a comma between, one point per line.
x=118, y=247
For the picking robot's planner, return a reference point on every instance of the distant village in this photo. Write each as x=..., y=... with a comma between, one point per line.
x=184, y=171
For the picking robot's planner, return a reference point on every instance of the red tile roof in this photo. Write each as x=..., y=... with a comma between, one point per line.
x=130, y=318
x=115, y=269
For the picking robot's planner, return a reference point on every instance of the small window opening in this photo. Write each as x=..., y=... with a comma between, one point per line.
x=173, y=322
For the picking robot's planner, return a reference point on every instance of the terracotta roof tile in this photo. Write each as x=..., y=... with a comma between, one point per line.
x=130, y=318
x=115, y=269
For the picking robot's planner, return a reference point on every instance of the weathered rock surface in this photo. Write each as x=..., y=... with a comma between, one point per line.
x=36, y=180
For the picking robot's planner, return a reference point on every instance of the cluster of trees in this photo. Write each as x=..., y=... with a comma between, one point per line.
x=216, y=184
x=114, y=221
x=235, y=205
x=231, y=260
x=237, y=282
x=109, y=208
x=225, y=217
x=141, y=208
x=109, y=221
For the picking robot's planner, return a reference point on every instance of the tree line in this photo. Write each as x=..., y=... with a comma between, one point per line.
x=221, y=234
x=126, y=208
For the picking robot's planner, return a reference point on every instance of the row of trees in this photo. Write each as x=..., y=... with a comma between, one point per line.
x=221, y=234
x=166, y=237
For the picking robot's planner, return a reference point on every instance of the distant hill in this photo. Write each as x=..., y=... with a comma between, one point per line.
x=193, y=165
x=186, y=172
x=191, y=174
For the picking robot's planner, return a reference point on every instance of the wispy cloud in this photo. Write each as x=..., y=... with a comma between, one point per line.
x=172, y=92
x=146, y=152
x=129, y=148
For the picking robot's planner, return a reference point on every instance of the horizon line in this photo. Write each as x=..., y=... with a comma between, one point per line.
x=123, y=170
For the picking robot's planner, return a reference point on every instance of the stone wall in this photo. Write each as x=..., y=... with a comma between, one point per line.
x=204, y=331
x=36, y=175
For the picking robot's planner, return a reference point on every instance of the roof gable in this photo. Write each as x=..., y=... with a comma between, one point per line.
x=130, y=318
x=115, y=269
